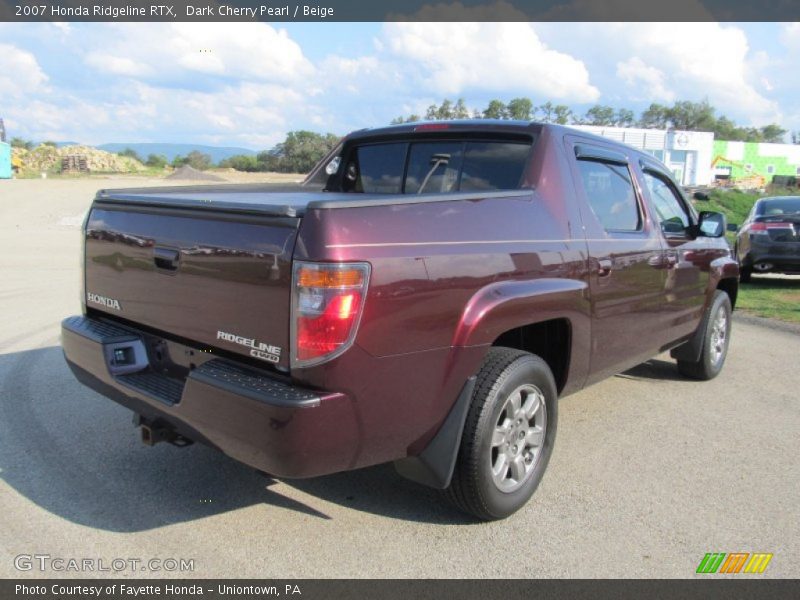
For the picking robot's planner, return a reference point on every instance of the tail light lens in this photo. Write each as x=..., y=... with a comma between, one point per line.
x=327, y=303
x=763, y=228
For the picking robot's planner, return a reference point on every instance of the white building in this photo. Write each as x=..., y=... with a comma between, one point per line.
x=688, y=154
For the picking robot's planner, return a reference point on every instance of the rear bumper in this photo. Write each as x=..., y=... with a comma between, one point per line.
x=246, y=413
x=785, y=257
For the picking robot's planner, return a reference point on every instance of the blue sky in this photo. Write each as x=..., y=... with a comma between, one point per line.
x=248, y=84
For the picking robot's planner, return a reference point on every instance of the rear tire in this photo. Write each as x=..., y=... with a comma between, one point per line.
x=508, y=435
x=716, y=339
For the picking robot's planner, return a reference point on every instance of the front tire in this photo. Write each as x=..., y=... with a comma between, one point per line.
x=508, y=435
x=716, y=339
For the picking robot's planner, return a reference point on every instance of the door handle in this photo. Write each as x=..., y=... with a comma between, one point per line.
x=604, y=267
x=166, y=258
x=672, y=260
x=662, y=261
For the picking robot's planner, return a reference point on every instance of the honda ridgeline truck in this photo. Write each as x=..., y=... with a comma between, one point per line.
x=423, y=298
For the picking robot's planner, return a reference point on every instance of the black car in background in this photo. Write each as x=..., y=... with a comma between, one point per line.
x=769, y=240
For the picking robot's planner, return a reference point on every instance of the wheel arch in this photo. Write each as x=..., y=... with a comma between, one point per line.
x=730, y=285
x=548, y=317
x=551, y=340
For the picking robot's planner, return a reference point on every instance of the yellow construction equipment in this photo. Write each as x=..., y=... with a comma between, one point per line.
x=751, y=181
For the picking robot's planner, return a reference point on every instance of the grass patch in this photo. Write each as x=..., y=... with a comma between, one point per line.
x=771, y=297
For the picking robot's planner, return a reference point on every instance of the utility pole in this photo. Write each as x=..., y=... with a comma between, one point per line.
x=2, y=131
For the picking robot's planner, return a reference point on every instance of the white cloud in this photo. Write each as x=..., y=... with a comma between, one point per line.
x=697, y=60
x=647, y=82
x=790, y=36
x=710, y=57
x=117, y=65
x=500, y=57
x=248, y=114
x=249, y=51
x=20, y=73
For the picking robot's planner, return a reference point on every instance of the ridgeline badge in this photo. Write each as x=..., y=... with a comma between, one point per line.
x=259, y=350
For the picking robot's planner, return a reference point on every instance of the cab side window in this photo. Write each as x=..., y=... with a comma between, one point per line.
x=610, y=193
x=671, y=212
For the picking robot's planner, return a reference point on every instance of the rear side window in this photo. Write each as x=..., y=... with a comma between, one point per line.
x=435, y=167
x=609, y=191
x=376, y=169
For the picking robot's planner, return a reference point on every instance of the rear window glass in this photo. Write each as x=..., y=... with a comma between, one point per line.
x=493, y=166
x=777, y=207
x=435, y=167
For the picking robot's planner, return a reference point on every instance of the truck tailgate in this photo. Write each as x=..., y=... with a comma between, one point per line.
x=218, y=278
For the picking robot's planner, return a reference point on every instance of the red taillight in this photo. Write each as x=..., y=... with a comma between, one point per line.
x=327, y=306
x=763, y=228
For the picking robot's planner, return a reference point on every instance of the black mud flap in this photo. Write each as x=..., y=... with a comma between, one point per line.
x=434, y=466
x=690, y=350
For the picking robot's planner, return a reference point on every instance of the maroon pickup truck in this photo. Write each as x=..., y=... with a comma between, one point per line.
x=424, y=297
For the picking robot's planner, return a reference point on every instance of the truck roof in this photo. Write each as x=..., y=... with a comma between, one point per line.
x=484, y=126
x=457, y=126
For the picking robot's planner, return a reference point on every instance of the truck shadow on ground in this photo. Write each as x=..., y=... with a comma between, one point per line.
x=660, y=370
x=76, y=454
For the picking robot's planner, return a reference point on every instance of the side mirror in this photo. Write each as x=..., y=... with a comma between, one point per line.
x=734, y=227
x=700, y=196
x=711, y=224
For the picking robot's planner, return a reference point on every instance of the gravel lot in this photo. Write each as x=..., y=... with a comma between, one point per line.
x=649, y=473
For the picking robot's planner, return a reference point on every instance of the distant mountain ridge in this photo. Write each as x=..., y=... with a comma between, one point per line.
x=217, y=153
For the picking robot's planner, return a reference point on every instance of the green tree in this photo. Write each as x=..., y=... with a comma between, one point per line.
x=692, y=116
x=547, y=111
x=600, y=115
x=655, y=117
x=624, y=118
x=195, y=159
x=725, y=129
x=409, y=119
x=157, y=161
x=445, y=110
x=199, y=160
x=773, y=133
x=50, y=143
x=495, y=110
x=298, y=153
x=130, y=153
x=561, y=114
x=17, y=142
x=520, y=109
x=241, y=162
x=460, y=110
